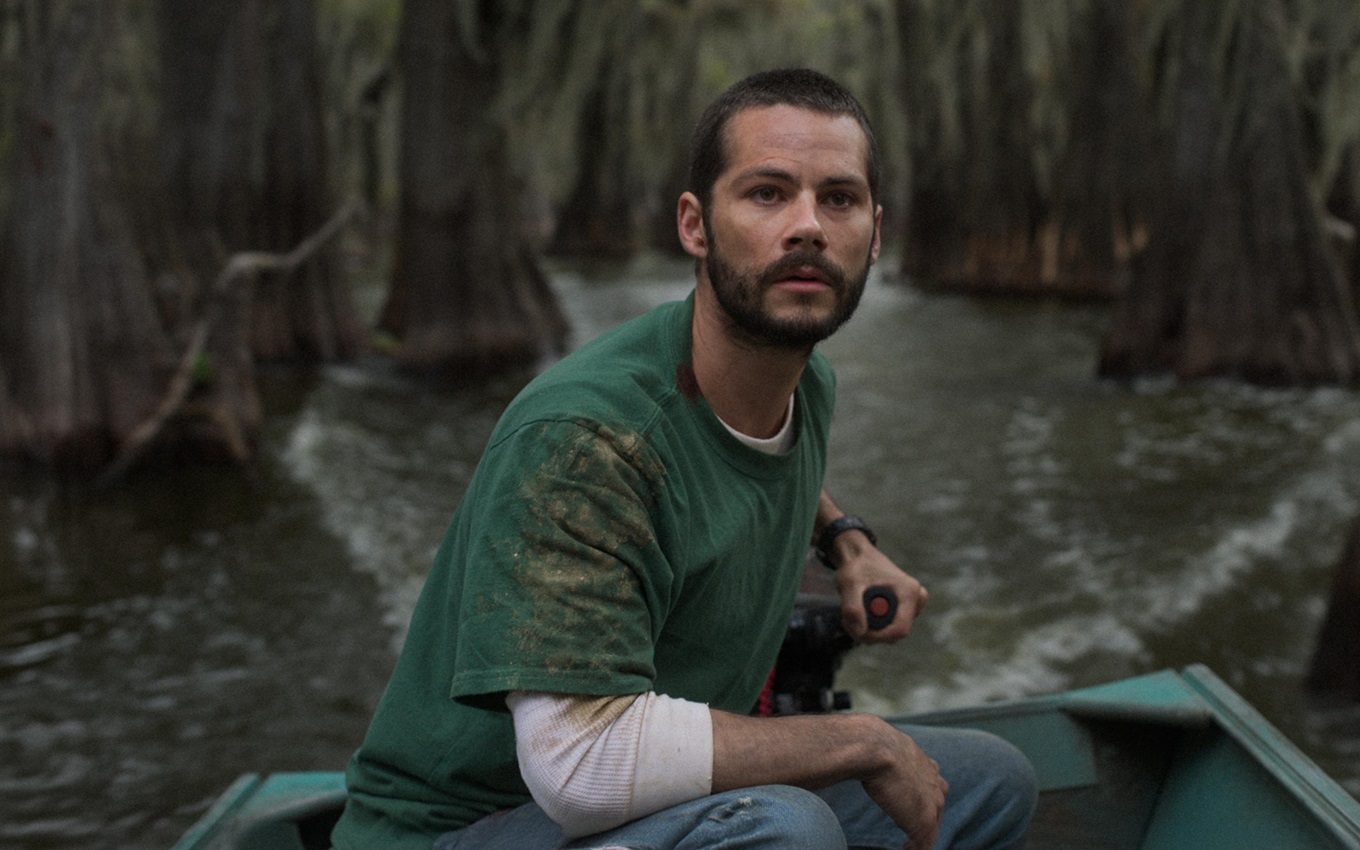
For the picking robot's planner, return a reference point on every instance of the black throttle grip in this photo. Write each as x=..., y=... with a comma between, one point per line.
x=880, y=606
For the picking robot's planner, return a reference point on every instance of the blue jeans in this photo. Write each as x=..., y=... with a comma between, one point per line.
x=992, y=793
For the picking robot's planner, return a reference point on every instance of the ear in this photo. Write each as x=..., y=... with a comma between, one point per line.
x=689, y=221
x=878, y=225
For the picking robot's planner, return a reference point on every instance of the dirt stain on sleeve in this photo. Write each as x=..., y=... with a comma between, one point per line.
x=588, y=518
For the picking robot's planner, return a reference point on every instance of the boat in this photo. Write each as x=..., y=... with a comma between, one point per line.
x=1171, y=760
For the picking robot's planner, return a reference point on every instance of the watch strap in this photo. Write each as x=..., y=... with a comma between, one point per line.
x=835, y=528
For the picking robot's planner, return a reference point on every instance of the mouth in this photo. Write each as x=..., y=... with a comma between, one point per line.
x=802, y=277
x=802, y=286
x=806, y=274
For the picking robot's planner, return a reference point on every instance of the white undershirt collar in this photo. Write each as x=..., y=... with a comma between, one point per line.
x=779, y=444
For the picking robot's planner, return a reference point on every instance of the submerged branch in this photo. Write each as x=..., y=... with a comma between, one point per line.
x=239, y=267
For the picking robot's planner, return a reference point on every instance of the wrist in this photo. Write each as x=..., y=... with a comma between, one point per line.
x=842, y=537
x=876, y=737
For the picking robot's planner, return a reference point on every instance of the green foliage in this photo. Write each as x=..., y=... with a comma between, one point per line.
x=203, y=371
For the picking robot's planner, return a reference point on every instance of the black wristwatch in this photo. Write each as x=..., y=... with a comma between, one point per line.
x=835, y=527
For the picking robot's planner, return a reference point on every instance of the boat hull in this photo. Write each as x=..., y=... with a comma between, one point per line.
x=1167, y=761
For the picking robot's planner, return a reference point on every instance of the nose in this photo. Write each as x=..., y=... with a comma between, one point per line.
x=805, y=224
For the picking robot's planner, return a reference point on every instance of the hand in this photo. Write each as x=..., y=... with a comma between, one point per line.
x=817, y=750
x=909, y=789
x=863, y=566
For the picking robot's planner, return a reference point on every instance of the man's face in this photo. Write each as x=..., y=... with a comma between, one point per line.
x=791, y=229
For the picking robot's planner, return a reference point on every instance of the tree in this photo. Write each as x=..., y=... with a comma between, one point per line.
x=83, y=353
x=597, y=220
x=466, y=294
x=125, y=323
x=1053, y=143
x=1024, y=145
x=600, y=119
x=1238, y=279
x=246, y=165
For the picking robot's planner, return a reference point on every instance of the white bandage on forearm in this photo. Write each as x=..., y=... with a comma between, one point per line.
x=593, y=763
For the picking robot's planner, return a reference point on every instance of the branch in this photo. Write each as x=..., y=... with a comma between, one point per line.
x=239, y=267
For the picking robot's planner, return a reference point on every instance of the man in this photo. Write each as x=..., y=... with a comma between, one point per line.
x=615, y=585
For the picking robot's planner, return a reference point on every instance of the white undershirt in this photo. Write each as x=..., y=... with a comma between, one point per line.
x=779, y=444
x=593, y=763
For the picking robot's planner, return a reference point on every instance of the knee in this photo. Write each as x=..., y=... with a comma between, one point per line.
x=1010, y=768
x=1004, y=789
x=778, y=816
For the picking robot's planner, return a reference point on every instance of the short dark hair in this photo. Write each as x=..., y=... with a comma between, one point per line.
x=800, y=87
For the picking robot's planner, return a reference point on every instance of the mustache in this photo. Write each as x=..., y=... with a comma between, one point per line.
x=790, y=263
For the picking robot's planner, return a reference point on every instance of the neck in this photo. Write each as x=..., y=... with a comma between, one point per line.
x=747, y=384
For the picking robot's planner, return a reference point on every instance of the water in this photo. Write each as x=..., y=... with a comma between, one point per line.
x=159, y=641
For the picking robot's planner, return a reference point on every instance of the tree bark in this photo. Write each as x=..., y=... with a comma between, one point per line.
x=247, y=167
x=1238, y=279
x=1007, y=202
x=597, y=220
x=111, y=236
x=83, y=354
x=1344, y=208
x=467, y=296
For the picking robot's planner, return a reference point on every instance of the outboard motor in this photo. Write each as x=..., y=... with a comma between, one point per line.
x=803, y=679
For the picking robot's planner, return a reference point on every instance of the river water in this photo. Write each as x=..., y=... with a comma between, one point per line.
x=158, y=641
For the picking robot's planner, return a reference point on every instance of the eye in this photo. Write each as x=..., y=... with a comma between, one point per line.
x=765, y=194
x=840, y=200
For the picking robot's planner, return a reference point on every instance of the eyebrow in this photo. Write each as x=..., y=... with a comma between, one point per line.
x=769, y=173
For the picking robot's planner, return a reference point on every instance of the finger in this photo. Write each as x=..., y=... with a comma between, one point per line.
x=853, y=617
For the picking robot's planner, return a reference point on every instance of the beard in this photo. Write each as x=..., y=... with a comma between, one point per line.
x=740, y=292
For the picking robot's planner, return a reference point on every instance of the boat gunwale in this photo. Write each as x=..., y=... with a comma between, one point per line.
x=1192, y=699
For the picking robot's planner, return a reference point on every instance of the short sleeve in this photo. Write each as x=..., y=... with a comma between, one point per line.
x=564, y=577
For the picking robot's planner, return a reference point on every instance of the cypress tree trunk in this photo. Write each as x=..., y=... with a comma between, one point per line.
x=1238, y=279
x=1025, y=179
x=246, y=165
x=973, y=208
x=597, y=220
x=83, y=355
x=466, y=293
x=1096, y=226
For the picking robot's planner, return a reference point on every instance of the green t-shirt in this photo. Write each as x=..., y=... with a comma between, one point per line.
x=615, y=539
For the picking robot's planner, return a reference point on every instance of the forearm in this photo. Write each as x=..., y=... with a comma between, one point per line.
x=814, y=751
x=809, y=751
x=827, y=511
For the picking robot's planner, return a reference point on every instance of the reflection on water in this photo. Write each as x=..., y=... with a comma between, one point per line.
x=157, y=642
